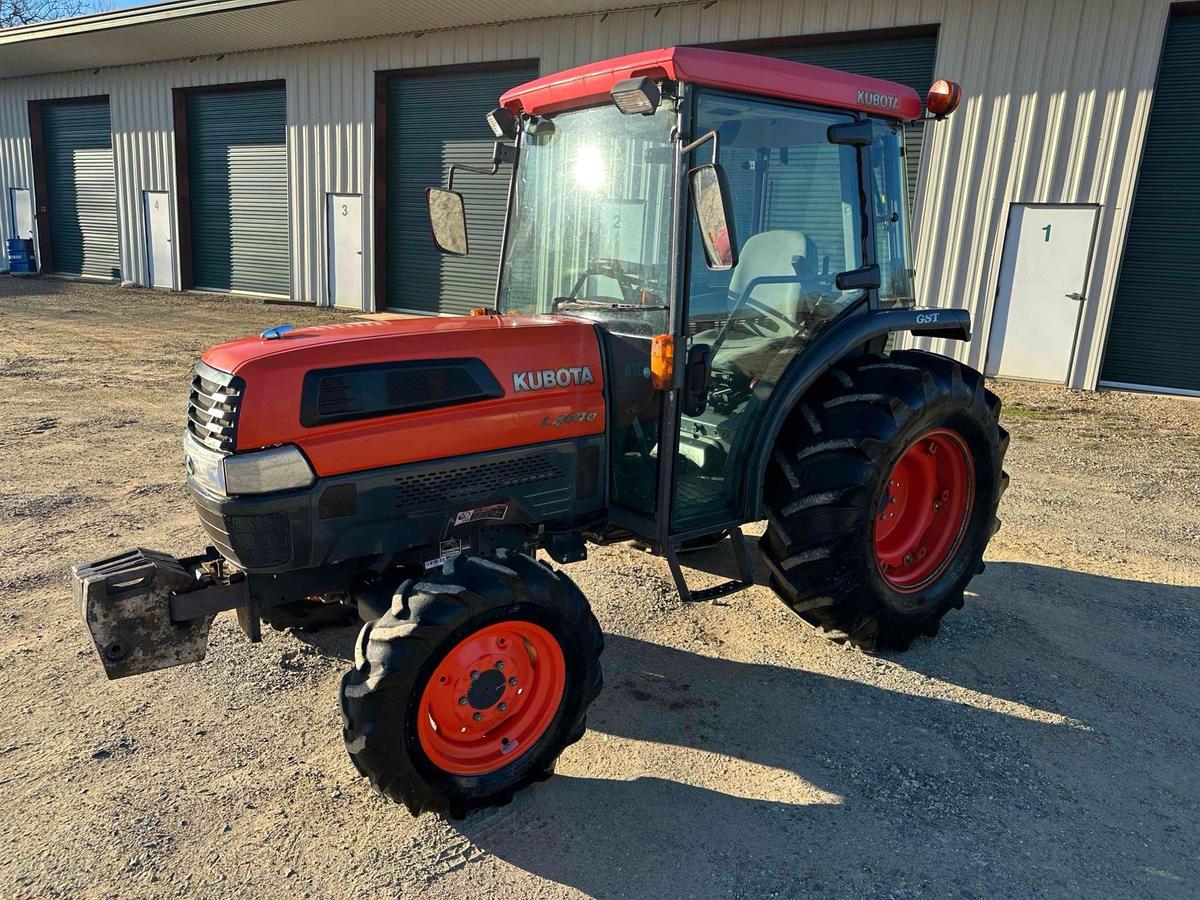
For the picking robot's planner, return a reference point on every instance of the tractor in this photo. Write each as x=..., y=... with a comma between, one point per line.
x=705, y=263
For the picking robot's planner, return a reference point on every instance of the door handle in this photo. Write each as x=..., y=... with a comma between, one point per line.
x=1075, y=295
x=697, y=371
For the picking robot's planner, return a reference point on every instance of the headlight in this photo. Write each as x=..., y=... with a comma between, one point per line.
x=277, y=469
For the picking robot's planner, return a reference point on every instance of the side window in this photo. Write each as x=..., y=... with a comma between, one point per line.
x=797, y=211
x=889, y=198
x=797, y=219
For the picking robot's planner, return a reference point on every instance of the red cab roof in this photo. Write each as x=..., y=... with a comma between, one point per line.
x=744, y=72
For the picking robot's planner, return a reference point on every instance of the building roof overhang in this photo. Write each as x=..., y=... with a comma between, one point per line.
x=183, y=29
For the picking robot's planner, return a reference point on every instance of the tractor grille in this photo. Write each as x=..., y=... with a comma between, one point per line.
x=213, y=407
x=436, y=488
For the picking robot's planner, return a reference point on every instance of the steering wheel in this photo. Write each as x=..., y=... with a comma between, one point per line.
x=632, y=287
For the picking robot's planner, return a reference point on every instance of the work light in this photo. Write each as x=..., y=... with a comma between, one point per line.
x=636, y=96
x=503, y=123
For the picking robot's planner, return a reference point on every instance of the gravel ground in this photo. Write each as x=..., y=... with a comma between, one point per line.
x=1045, y=744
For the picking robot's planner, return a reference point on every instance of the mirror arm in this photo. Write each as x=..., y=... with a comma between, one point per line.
x=474, y=170
x=501, y=153
x=703, y=139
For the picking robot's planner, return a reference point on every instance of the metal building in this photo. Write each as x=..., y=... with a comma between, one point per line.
x=280, y=148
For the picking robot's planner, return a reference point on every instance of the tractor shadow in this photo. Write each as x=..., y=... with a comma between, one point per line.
x=1027, y=629
x=711, y=776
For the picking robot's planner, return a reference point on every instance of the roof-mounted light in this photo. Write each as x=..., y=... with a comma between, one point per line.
x=636, y=96
x=503, y=123
x=943, y=98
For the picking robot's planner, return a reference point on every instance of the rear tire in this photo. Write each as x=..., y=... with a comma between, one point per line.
x=422, y=717
x=835, y=478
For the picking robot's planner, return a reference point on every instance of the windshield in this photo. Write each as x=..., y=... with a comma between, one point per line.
x=591, y=226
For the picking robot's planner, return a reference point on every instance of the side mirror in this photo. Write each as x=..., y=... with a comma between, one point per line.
x=710, y=198
x=448, y=218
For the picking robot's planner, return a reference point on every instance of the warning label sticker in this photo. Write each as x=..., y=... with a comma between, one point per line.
x=494, y=513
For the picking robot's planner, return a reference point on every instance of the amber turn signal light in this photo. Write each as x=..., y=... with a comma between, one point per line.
x=480, y=311
x=662, y=362
x=943, y=98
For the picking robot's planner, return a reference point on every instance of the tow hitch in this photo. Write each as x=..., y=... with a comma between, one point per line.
x=148, y=610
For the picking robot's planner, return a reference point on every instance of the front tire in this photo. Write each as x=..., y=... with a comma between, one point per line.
x=472, y=684
x=881, y=497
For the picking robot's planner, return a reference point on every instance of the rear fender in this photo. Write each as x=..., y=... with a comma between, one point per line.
x=844, y=337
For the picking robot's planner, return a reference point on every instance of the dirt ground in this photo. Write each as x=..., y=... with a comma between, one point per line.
x=1044, y=744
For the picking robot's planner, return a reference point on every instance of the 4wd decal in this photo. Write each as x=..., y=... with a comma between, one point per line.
x=881, y=101
x=543, y=379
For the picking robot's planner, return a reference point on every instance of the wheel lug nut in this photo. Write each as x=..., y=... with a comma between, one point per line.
x=908, y=558
x=512, y=681
x=499, y=664
x=478, y=717
x=503, y=707
x=937, y=506
x=462, y=701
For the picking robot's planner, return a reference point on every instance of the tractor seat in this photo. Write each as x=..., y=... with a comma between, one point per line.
x=769, y=253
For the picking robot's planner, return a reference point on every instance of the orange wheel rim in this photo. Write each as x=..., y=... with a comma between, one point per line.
x=924, y=510
x=490, y=699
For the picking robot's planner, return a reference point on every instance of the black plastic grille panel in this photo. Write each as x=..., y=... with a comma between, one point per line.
x=454, y=485
x=260, y=541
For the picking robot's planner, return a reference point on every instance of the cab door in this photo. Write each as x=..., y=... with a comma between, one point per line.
x=798, y=223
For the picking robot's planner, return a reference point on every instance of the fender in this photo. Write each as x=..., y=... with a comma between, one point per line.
x=842, y=338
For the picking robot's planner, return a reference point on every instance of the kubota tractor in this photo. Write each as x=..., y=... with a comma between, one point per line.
x=705, y=257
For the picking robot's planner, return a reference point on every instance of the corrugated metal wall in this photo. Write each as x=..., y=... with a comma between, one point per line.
x=1057, y=94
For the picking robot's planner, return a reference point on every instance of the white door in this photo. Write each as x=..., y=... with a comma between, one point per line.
x=345, y=240
x=1043, y=281
x=159, y=243
x=21, y=204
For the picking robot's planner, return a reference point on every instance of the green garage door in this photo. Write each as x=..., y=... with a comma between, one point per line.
x=81, y=186
x=434, y=120
x=238, y=184
x=907, y=60
x=1155, y=329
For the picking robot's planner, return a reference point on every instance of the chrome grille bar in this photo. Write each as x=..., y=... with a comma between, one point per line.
x=213, y=405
